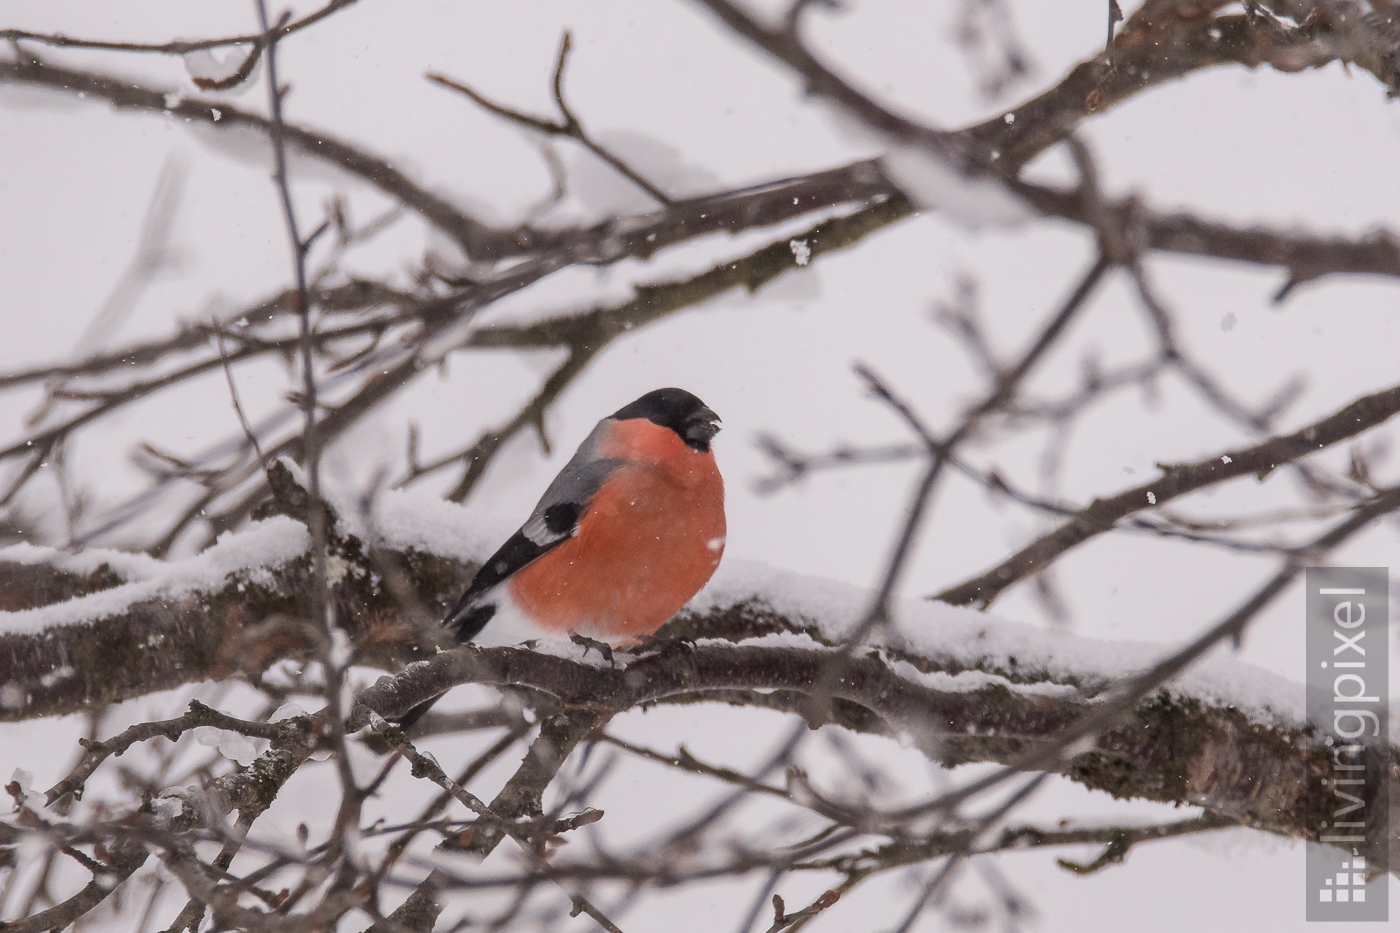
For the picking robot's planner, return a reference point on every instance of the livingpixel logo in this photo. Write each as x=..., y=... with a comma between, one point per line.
x=1348, y=659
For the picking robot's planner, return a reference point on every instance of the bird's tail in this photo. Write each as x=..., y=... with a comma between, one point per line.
x=465, y=622
x=408, y=719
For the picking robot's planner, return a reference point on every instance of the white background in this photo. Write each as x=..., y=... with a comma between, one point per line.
x=697, y=110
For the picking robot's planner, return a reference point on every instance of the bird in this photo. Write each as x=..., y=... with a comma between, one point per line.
x=627, y=533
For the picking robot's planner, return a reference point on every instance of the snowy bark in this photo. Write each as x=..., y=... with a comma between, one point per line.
x=1187, y=744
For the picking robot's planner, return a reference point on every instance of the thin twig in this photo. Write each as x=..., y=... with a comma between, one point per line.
x=1176, y=480
x=568, y=127
x=233, y=397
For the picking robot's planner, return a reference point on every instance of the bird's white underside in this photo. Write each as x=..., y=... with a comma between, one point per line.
x=511, y=625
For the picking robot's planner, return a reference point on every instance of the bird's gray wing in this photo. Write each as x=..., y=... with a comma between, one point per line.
x=556, y=516
x=554, y=520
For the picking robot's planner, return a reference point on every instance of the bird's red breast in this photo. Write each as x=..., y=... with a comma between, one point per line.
x=651, y=537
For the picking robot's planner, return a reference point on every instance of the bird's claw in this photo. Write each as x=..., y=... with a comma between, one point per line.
x=602, y=647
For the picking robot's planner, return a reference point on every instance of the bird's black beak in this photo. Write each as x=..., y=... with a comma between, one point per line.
x=701, y=427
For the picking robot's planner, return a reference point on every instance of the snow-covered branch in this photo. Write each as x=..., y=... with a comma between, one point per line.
x=959, y=685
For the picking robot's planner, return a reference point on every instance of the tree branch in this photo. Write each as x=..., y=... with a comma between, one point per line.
x=1176, y=480
x=476, y=239
x=1252, y=771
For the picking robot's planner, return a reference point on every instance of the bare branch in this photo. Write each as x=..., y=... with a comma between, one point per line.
x=1176, y=480
x=198, y=715
x=475, y=238
x=178, y=47
x=569, y=126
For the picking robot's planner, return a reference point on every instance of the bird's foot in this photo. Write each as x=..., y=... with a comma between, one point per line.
x=602, y=647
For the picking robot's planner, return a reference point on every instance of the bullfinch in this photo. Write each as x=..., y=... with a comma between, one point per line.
x=627, y=533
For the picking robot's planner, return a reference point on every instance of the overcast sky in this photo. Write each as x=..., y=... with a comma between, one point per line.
x=696, y=110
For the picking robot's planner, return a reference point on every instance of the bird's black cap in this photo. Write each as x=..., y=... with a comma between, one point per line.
x=677, y=409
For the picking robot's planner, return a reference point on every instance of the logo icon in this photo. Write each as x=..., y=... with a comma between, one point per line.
x=1350, y=884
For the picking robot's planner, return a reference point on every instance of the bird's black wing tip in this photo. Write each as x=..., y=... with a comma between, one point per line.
x=467, y=623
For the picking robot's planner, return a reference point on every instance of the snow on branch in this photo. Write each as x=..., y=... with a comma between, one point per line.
x=958, y=684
